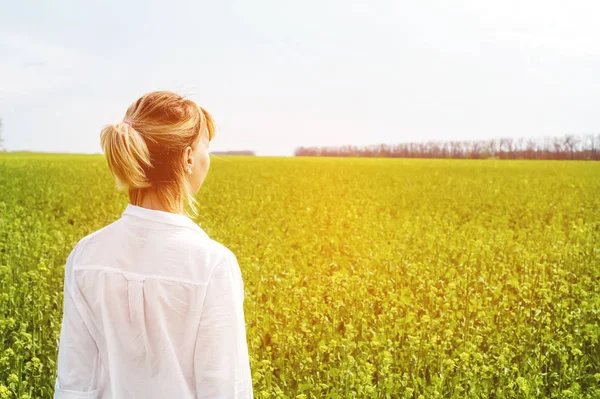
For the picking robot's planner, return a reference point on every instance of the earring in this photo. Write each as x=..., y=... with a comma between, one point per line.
x=189, y=169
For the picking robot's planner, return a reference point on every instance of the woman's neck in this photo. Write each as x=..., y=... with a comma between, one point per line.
x=151, y=200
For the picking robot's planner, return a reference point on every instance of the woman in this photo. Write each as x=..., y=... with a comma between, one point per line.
x=153, y=308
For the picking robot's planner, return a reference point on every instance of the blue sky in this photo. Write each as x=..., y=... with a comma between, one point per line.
x=277, y=74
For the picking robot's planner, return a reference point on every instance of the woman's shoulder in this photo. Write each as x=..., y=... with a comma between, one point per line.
x=220, y=252
x=91, y=236
x=209, y=249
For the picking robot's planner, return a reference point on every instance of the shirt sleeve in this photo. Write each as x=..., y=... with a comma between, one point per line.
x=221, y=362
x=78, y=357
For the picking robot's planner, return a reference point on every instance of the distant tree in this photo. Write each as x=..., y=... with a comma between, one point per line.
x=569, y=144
x=558, y=147
x=547, y=147
x=531, y=147
x=594, y=141
x=476, y=149
x=519, y=148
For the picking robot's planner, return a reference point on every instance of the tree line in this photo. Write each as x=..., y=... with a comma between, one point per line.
x=567, y=147
x=241, y=152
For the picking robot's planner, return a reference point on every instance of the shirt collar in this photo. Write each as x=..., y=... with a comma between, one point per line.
x=163, y=217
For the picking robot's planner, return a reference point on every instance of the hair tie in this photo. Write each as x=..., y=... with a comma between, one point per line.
x=128, y=123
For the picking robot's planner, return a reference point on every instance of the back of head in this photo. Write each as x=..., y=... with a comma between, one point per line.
x=144, y=151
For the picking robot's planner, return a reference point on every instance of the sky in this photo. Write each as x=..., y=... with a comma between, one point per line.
x=277, y=75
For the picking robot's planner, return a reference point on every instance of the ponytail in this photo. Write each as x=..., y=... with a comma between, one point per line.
x=127, y=155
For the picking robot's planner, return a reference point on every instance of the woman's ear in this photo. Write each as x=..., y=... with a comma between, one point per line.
x=188, y=159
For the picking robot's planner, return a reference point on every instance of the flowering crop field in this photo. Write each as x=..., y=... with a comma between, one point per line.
x=364, y=278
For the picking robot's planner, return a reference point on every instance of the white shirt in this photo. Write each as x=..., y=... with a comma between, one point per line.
x=153, y=308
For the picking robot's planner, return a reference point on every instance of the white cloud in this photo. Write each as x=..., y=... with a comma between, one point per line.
x=566, y=27
x=31, y=65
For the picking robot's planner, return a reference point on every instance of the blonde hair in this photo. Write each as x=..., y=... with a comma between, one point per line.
x=144, y=152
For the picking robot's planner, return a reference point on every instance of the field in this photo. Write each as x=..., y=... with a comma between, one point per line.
x=364, y=278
